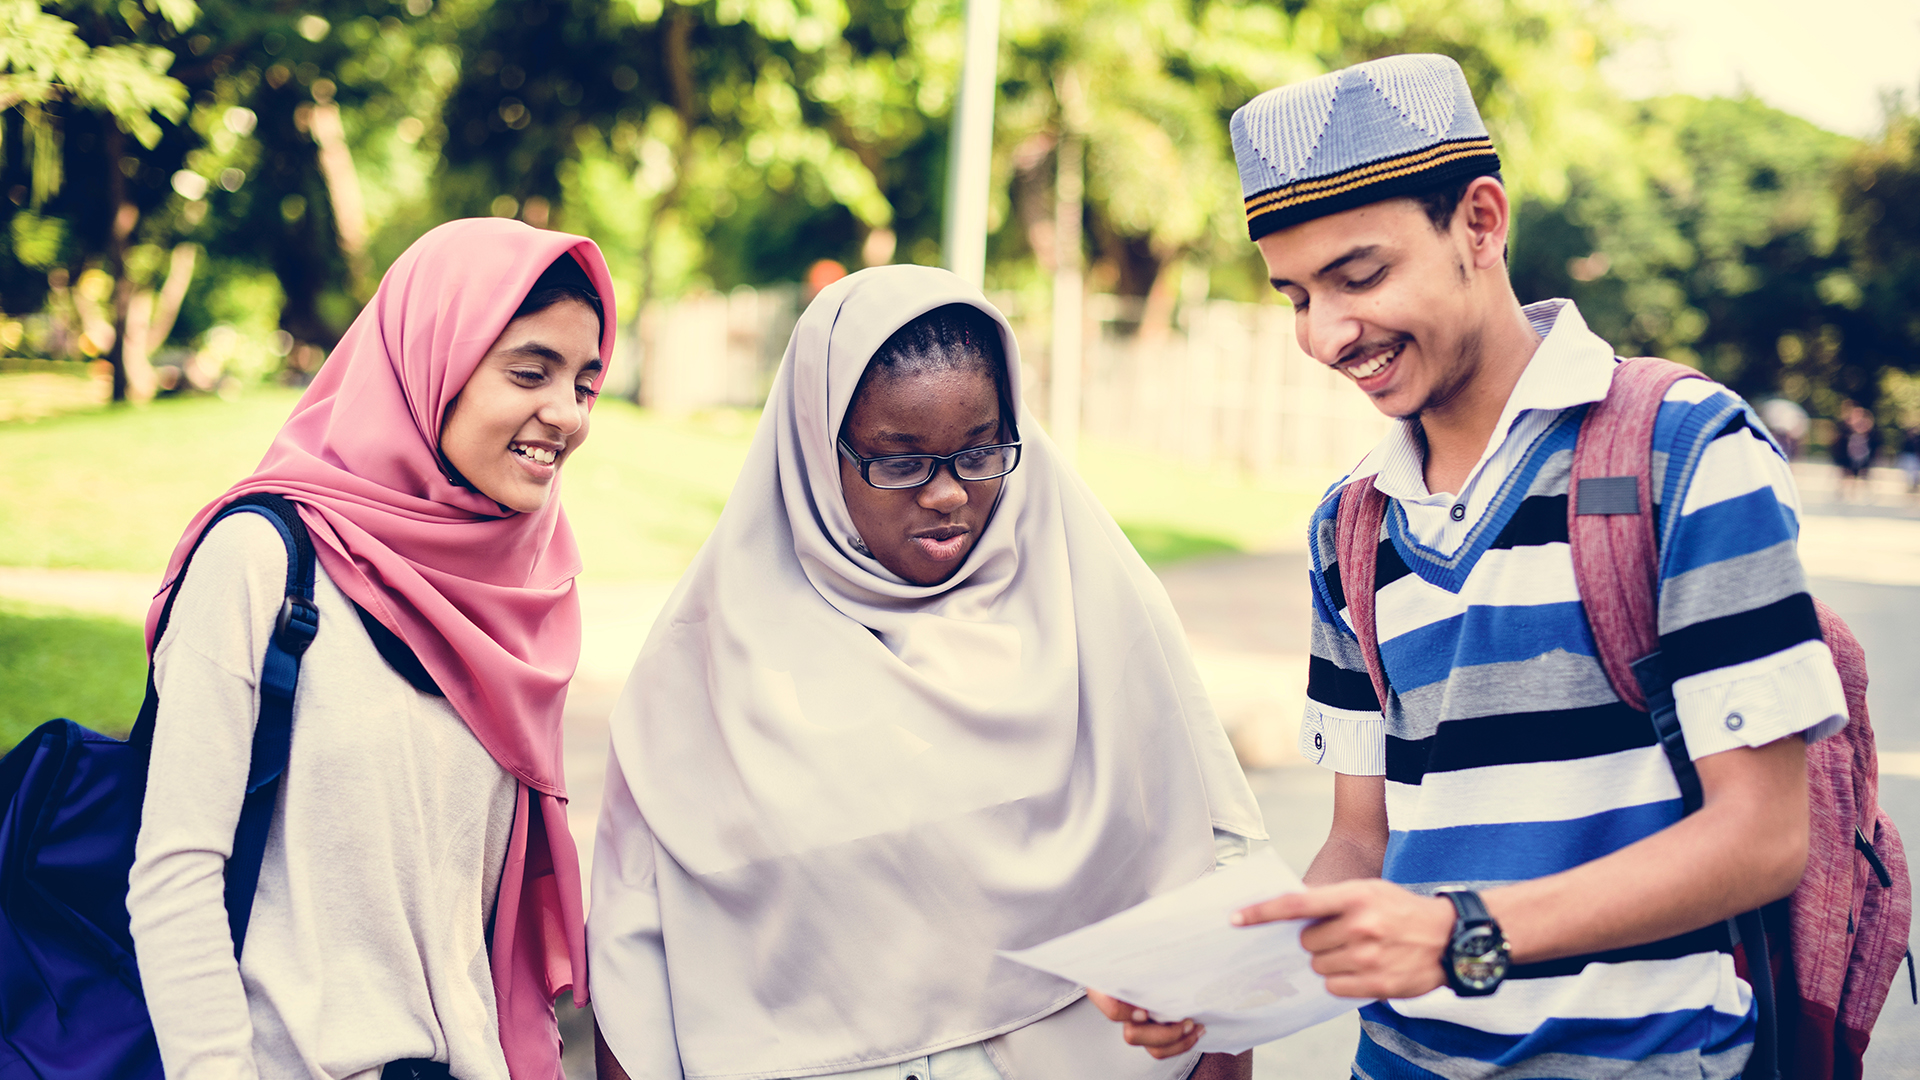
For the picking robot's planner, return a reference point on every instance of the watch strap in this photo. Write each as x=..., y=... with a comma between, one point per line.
x=1471, y=915
x=1468, y=907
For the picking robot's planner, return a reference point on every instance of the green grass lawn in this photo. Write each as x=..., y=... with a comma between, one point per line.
x=111, y=489
x=1171, y=511
x=55, y=663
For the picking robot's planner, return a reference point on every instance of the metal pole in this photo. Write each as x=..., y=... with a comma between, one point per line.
x=970, y=151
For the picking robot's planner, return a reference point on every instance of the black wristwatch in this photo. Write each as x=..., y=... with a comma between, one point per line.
x=1475, y=962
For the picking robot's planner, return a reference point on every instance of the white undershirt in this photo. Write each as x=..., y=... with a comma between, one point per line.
x=368, y=935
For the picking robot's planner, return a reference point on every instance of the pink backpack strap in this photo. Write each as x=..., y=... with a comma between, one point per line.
x=1616, y=565
x=1357, y=550
x=1610, y=524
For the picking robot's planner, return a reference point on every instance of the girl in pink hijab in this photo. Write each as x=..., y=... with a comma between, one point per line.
x=418, y=905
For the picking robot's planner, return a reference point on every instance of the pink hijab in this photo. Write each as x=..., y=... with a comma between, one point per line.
x=485, y=598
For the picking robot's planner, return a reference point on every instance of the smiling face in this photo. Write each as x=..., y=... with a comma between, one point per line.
x=922, y=534
x=524, y=410
x=1391, y=302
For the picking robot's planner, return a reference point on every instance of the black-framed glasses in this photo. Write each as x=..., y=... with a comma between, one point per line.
x=891, y=472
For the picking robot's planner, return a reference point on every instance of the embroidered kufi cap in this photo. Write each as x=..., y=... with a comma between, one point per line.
x=1385, y=129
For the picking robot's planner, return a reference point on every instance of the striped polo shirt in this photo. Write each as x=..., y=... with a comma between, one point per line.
x=1506, y=753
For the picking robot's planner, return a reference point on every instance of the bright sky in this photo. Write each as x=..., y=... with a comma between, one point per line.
x=1826, y=60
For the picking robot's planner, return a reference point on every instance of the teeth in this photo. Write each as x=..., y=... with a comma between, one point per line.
x=537, y=453
x=1376, y=365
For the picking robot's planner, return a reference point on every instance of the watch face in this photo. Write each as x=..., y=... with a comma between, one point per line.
x=1479, y=957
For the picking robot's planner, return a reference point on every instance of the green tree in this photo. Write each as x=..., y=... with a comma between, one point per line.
x=1158, y=80
x=79, y=79
x=1879, y=192
x=1717, y=242
x=315, y=130
x=704, y=143
x=270, y=113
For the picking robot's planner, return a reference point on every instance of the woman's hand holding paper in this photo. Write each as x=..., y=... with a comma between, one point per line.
x=1138, y=1029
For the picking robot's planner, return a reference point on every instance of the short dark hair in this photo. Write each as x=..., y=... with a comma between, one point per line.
x=563, y=279
x=1441, y=202
x=953, y=337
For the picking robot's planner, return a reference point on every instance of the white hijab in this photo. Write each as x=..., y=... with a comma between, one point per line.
x=833, y=794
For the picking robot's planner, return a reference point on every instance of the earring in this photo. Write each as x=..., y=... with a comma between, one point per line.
x=452, y=474
x=859, y=545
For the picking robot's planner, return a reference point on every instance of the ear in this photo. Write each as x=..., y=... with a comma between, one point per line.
x=1485, y=215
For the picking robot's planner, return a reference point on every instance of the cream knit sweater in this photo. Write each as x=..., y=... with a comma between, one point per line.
x=368, y=935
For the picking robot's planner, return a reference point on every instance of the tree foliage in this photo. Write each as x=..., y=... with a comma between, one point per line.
x=1717, y=243
x=1778, y=257
x=298, y=147
x=1158, y=80
x=1879, y=190
x=44, y=57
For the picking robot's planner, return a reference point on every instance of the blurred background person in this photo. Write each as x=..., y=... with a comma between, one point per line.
x=1855, y=442
x=1787, y=422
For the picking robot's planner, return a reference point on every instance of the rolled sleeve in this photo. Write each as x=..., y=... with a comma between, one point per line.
x=1738, y=630
x=1795, y=691
x=1344, y=741
x=1343, y=728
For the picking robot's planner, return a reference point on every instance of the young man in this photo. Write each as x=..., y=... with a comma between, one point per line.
x=1503, y=771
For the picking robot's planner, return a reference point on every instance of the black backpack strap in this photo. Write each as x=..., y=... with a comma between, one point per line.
x=293, y=631
x=1748, y=928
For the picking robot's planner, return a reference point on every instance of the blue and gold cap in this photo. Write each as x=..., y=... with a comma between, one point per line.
x=1385, y=129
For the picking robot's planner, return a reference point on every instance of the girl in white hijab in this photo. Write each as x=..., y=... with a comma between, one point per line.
x=898, y=715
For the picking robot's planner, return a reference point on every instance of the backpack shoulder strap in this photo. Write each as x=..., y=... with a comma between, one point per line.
x=1616, y=566
x=1357, y=550
x=1610, y=519
x=293, y=631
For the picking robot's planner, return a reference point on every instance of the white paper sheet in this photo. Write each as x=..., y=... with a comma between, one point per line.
x=1177, y=957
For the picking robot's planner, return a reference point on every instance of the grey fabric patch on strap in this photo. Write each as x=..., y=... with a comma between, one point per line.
x=1609, y=495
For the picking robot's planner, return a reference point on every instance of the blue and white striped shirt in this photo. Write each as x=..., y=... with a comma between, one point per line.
x=1506, y=753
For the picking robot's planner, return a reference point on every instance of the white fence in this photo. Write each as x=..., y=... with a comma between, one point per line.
x=1228, y=386
x=706, y=351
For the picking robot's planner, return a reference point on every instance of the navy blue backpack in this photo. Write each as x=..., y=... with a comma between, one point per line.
x=71, y=1006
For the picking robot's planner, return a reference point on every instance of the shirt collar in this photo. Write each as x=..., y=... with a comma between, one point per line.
x=1572, y=366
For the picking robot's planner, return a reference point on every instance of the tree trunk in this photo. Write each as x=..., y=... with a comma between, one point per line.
x=150, y=319
x=172, y=294
x=1156, y=315
x=1064, y=363
x=343, y=190
x=128, y=381
x=676, y=57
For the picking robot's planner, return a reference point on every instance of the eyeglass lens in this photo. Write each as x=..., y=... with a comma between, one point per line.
x=914, y=470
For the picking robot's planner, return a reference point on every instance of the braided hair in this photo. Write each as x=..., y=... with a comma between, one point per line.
x=953, y=337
